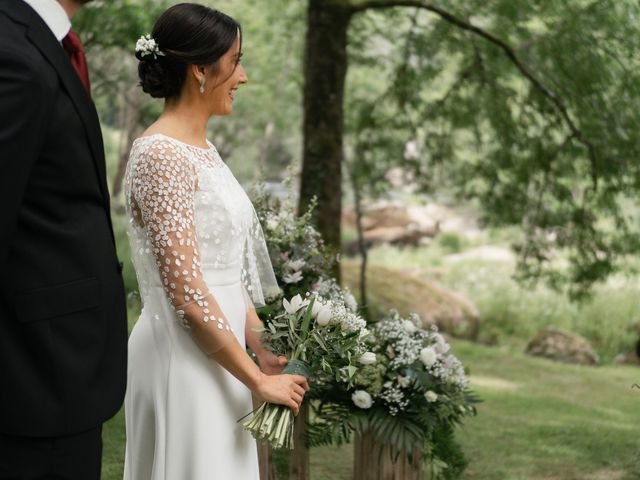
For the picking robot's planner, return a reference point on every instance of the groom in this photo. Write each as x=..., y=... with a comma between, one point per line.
x=62, y=309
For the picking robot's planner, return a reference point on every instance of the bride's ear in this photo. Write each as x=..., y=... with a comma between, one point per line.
x=199, y=73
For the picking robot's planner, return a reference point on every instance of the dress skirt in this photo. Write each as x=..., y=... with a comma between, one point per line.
x=181, y=407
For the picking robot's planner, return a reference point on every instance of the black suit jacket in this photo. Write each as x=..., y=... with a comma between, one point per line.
x=62, y=307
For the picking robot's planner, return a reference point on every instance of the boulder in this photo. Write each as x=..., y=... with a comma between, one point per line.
x=406, y=292
x=562, y=346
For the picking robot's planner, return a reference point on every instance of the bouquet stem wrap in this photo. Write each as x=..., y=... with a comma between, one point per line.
x=273, y=423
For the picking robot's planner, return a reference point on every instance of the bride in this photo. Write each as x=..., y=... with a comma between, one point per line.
x=201, y=263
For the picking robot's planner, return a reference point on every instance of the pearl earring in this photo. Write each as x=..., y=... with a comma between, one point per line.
x=202, y=86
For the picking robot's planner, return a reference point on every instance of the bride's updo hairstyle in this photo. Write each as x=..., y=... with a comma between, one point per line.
x=186, y=34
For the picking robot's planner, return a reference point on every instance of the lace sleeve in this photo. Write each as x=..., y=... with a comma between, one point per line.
x=163, y=184
x=257, y=273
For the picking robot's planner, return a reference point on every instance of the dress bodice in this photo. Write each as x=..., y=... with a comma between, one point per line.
x=191, y=224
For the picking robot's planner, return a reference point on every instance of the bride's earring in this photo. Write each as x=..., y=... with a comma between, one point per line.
x=202, y=85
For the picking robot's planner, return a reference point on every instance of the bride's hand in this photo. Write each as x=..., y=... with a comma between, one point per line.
x=285, y=390
x=270, y=363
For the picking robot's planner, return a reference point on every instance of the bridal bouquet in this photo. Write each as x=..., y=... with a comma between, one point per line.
x=410, y=391
x=318, y=335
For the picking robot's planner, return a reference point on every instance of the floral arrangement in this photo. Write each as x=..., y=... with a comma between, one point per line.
x=319, y=336
x=296, y=249
x=409, y=390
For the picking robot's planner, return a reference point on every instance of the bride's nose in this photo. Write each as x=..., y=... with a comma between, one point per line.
x=243, y=75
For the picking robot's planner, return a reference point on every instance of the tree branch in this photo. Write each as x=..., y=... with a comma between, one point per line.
x=510, y=54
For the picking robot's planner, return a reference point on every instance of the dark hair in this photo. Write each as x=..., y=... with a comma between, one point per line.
x=186, y=34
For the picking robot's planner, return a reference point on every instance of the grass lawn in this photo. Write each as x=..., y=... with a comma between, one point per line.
x=539, y=420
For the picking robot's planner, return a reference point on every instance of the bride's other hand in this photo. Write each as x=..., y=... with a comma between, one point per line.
x=271, y=364
x=285, y=390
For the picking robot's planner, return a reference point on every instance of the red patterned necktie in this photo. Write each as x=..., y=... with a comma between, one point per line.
x=73, y=46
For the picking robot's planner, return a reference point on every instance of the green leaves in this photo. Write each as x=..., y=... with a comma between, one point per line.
x=544, y=135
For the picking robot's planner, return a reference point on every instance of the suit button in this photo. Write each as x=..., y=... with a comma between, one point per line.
x=120, y=267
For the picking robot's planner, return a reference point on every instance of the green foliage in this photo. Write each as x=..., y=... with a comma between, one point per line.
x=450, y=241
x=450, y=451
x=548, y=144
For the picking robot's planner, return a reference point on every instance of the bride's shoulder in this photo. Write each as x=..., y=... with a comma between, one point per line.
x=156, y=146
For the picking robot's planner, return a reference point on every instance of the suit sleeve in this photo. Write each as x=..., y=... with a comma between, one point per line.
x=23, y=117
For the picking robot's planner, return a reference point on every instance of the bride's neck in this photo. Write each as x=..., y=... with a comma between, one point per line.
x=189, y=121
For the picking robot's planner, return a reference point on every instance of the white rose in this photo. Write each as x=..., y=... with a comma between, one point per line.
x=409, y=326
x=367, y=358
x=324, y=316
x=362, y=399
x=295, y=304
x=404, y=382
x=431, y=396
x=428, y=356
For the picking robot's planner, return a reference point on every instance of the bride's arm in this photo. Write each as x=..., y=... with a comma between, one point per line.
x=269, y=363
x=163, y=184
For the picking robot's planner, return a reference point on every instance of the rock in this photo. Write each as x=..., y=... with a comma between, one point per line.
x=406, y=292
x=562, y=346
x=630, y=358
x=487, y=253
x=386, y=216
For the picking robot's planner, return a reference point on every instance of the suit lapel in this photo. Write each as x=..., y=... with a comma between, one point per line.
x=42, y=37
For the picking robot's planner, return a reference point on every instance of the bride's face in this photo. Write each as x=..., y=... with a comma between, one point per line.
x=224, y=81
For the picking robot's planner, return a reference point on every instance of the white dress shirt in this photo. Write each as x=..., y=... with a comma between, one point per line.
x=53, y=15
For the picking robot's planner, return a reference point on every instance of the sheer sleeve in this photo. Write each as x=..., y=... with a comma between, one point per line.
x=163, y=185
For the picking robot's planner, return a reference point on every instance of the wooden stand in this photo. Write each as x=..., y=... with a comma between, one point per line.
x=372, y=461
x=299, y=458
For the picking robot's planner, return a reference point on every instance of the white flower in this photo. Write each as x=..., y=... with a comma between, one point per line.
x=295, y=265
x=295, y=304
x=292, y=277
x=404, y=382
x=428, y=356
x=362, y=399
x=431, y=396
x=409, y=326
x=324, y=316
x=146, y=45
x=272, y=223
x=390, y=352
x=350, y=301
x=367, y=358
x=441, y=345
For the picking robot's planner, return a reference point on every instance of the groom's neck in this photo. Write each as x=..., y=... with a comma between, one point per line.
x=70, y=6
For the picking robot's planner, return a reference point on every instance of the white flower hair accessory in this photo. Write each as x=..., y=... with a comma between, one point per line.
x=146, y=45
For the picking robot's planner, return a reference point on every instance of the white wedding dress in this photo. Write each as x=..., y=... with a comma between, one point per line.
x=201, y=262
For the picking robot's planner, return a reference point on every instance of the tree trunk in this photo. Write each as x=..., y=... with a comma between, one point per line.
x=299, y=457
x=130, y=129
x=372, y=461
x=362, y=247
x=325, y=68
